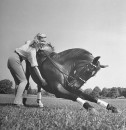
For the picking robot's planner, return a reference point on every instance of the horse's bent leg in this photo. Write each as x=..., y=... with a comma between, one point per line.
x=39, y=97
x=87, y=106
x=63, y=93
x=98, y=101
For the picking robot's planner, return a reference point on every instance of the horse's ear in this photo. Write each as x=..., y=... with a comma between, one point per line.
x=95, y=60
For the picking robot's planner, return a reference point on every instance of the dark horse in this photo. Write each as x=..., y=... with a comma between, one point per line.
x=65, y=73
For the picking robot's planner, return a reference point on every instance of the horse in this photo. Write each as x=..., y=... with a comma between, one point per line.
x=65, y=73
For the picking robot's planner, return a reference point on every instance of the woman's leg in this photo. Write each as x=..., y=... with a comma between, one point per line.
x=17, y=71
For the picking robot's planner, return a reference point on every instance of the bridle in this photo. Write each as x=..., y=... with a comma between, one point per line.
x=89, y=66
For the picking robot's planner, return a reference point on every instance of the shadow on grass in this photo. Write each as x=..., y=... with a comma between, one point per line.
x=11, y=104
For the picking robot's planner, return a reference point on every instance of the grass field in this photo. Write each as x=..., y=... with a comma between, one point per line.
x=59, y=114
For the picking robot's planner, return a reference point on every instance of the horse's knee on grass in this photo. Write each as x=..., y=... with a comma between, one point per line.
x=90, y=109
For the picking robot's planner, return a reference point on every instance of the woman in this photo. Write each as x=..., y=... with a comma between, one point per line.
x=26, y=52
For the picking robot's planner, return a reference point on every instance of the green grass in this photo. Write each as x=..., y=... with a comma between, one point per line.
x=61, y=114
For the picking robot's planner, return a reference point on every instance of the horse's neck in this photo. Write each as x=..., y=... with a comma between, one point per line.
x=72, y=55
x=67, y=58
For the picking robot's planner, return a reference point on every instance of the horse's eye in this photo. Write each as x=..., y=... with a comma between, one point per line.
x=75, y=71
x=93, y=72
x=88, y=69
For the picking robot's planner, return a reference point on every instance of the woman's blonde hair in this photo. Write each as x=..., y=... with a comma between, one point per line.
x=36, y=39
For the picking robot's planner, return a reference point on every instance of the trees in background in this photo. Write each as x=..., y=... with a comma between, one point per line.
x=105, y=92
x=124, y=92
x=114, y=92
x=6, y=86
x=88, y=91
x=96, y=92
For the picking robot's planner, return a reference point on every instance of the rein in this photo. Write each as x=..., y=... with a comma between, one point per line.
x=56, y=65
x=78, y=76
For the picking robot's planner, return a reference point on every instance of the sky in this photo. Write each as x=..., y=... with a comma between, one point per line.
x=98, y=26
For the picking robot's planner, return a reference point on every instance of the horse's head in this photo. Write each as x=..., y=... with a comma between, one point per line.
x=85, y=70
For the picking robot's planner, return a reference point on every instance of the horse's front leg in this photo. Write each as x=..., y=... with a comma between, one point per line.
x=39, y=97
x=98, y=101
x=87, y=106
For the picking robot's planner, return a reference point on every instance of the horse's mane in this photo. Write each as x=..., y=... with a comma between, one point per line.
x=73, y=54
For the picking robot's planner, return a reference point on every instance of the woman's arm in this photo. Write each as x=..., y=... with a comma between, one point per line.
x=38, y=74
x=34, y=66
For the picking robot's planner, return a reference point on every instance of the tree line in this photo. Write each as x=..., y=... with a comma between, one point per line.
x=6, y=87
x=113, y=92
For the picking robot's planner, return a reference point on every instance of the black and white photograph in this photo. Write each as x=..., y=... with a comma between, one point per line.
x=62, y=65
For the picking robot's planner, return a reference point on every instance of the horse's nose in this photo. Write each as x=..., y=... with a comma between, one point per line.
x=103, y=66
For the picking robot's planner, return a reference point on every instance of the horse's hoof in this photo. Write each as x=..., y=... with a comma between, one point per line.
x=40, y=105
x=93, y=111
x=112, y=109
x=24, y=101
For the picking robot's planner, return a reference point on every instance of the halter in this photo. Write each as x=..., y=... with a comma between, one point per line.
x=90, y=67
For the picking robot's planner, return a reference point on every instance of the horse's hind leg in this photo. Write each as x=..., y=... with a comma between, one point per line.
x=25, y=94
x=39, y=97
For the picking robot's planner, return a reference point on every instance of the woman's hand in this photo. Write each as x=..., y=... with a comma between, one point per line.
x=44, y=83
x=39, y=76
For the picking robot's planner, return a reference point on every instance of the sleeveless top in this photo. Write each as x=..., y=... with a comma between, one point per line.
x=28, y=53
